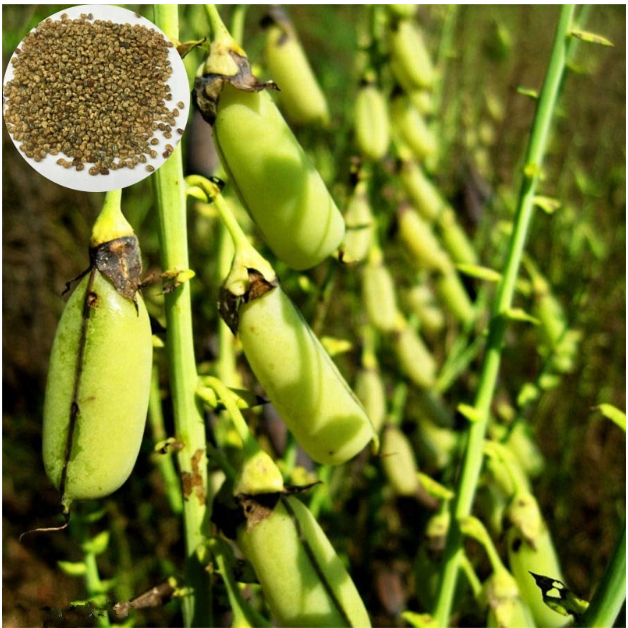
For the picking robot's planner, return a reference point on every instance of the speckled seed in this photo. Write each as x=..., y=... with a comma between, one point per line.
x=166, y=154
x=150, y=168
x=75, y=105
x=180, y=105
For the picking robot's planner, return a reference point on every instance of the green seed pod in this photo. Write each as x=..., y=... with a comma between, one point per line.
x=412, y=129
x=304, y=581
x=401, y=11
x=422, y=100
x=419, y=241
x=370, y=390
x=506, y=608
x=97, y=391
x=379, y=296
x=421, y=302
x=360, y=227
x=530, y=549
x=372, y=126
x=420, y=190
x=435, y=445
x=455, y=240
x=410, y=62
x=300, y=94
x=415, y=360
x=299, y=377
x=277, y=184
x=399, y=462
x=452, y=293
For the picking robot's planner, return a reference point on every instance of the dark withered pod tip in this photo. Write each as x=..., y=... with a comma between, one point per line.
x=207, y=88
x=229, y=303
x=120, y=261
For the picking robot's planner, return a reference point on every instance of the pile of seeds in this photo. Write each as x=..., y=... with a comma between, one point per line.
x=92, y=90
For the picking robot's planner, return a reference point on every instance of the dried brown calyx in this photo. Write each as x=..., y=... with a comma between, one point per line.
x=229, y=303
x=120, y=261
x=208, y=86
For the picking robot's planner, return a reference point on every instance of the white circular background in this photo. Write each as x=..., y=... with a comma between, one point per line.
x=123, y=177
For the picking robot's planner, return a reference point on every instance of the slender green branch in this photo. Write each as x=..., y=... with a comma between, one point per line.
x=497, y=327
x=165, y=462
x=610, y=594
x=189, y=423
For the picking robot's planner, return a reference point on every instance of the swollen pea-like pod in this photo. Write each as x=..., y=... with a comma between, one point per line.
x=399, y=462
x=530, y=549
x=419, y=241
x=300, y=95
x=379, y=296
x=372, y=125
x=360, y=226
x=421, y=302
x=296, y=372
x=303, y=580
x=415, y=359
x=370, y=390
x=277, y=183
x=411, y=128
x=455, y=239
x=426, y=199
x=506, y=608
x=99, y=374
x=409, y=59
x=453, y=295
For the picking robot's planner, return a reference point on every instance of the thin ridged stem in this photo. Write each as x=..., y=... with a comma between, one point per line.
x=610, y=594
x=189, y=423
x=499, y=316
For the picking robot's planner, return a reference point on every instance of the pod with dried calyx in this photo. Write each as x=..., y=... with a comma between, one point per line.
x=99, y=374
x=273, y=177
x=297, y=374
x=300, y=94
x=303, y=580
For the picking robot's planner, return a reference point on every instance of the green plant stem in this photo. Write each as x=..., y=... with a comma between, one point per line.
x=93, y=583
x=188, y=418
x=164, y=461
x=499, y=316
x=238, y=19
x=610, y=594
x=249, y=444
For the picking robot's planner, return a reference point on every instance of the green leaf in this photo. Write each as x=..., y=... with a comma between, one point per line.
x=72, y=569
x=529, y=392
x=530, y=93
x=419, y=620
x=479, y=272
x=592, y=38
x=98, y=544
x=521, y=316
x=469, y=412
x=614, y=414
x=548, y=204
x=336, y=346
x=434, y=488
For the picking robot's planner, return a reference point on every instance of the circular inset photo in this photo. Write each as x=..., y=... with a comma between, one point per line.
x=96, y=98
